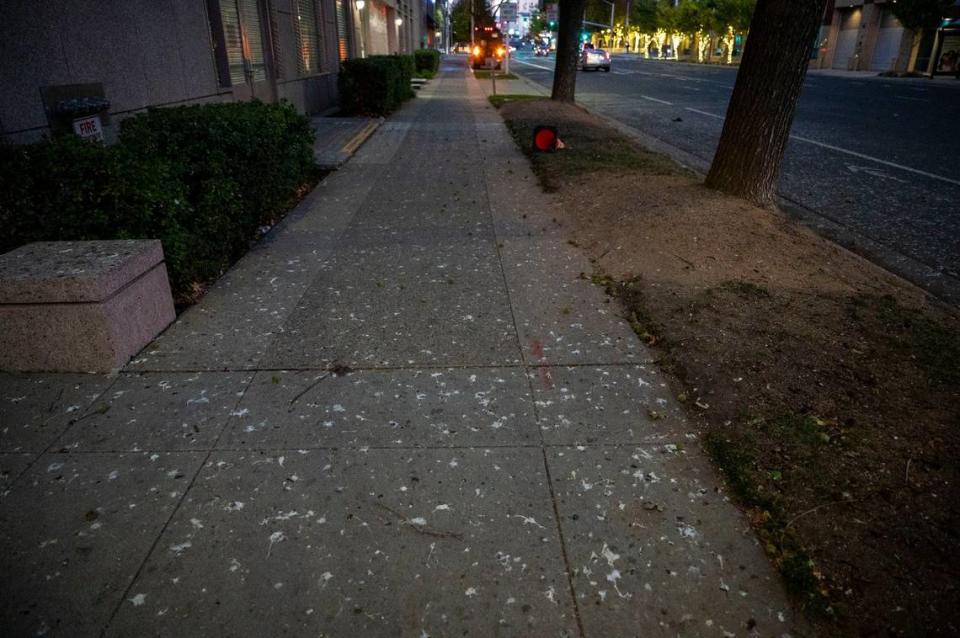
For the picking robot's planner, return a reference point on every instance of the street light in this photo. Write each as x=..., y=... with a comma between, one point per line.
x=361, y=4
x=398, y=21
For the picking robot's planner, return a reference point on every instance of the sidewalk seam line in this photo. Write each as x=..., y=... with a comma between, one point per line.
x=361, y=448
x=173, y=512
x=563, y=543
x=536, y=414
x=415, y=368
x=60, y=436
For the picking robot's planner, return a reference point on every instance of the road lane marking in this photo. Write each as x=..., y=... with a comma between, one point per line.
x=653, y=99
x=536, y=66
x=839, y=149
x=719, y=117
x=687, y=78
x=873, y=172
x=877, y=160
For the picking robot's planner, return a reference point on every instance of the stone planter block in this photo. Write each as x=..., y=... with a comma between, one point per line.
x=81, y=306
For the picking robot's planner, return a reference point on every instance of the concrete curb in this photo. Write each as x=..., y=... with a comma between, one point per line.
x=362, y=136
x=333, y=161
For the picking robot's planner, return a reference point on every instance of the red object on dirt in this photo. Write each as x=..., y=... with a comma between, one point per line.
x=545, y=139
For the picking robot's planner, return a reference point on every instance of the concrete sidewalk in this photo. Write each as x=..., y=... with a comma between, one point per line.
x=404, y=413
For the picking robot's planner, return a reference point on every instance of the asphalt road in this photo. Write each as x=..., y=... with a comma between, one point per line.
x=878, y=157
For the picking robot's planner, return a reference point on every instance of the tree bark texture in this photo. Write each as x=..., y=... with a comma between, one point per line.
x=761, y=110
x=568, y=40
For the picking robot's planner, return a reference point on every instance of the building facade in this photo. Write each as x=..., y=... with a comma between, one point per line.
x=129, y=55
x=864, y=35
x=382, y=27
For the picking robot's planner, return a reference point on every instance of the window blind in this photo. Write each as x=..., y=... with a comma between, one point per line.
x=342, y=46
x=252, y=39
x=309, y=38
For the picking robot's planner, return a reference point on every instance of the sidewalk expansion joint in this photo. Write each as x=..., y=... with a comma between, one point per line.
x=546, y=465
x=412, y=368
x=359, y=448
x=173, y=512
x=63, y=432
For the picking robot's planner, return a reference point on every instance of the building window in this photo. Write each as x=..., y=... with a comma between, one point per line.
x=343, y=51
x=239, y=42
x=308, y=36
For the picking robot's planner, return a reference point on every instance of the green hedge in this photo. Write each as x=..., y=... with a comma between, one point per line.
x=202, y=179
x=377, y=85
x=427, y=60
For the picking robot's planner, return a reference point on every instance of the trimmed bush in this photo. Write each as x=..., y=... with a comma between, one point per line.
x=377, y=85
x=202, y=179
x=427, y=60
x=240, y=162
x=71, y=189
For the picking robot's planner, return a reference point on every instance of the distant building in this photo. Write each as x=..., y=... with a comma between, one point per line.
x=135, y=54
x=864, y=35
x=526, y=10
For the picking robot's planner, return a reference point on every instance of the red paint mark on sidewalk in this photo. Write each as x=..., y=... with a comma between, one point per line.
x=536, y=348
x=546, y=378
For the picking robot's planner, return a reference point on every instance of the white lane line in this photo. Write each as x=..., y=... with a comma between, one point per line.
x=877, y=160
x=687, y=108
x=838, y=149
x=536, y=66
x=653, y=99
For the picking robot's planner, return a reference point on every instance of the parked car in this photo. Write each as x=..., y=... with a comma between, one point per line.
x=593, y=58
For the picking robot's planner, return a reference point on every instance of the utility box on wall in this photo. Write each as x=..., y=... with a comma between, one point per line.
x=81, y=109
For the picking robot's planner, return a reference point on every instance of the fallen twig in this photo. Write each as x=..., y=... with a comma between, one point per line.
x=810, y=511
x=686, y=261
x=421, y=529
x=309, y=387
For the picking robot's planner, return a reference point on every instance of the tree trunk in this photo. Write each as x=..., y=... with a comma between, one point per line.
x=568, y=37
x=757, y=126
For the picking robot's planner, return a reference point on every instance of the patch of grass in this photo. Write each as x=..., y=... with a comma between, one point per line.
x=484, y=74
x=500, y=100
x=588, y=149
x=909, y=332
x=426, y=74
x=736, y=455
x=745, y=289
x=797, y=430
x=630, y=294
x=740, y=457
